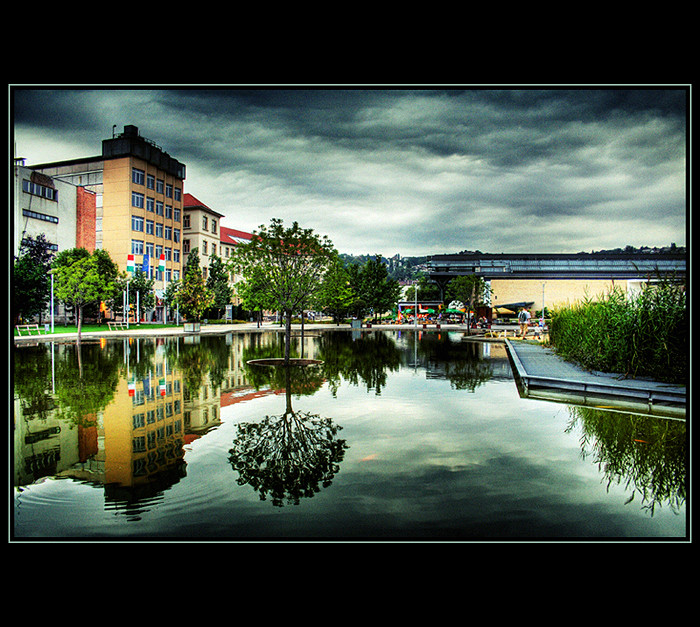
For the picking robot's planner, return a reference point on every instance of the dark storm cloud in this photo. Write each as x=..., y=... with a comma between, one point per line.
x=415, y=171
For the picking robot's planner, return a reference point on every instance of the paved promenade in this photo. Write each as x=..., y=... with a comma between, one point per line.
x=544, y=374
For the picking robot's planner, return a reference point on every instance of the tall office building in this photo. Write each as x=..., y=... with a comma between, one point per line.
x=139, y=204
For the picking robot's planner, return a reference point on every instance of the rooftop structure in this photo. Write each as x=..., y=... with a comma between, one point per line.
x=557, y=266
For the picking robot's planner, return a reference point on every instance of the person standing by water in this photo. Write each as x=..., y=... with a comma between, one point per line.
x=523, y=319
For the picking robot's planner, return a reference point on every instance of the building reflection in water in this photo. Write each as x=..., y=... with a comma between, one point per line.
x=121, y=413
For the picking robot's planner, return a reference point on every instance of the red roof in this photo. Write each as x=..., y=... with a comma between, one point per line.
x=233, y=236
x=190, y=202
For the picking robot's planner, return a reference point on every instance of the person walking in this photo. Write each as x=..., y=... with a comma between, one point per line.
x=523, y=319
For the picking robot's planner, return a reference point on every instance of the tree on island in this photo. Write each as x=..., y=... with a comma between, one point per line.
x=287, y=265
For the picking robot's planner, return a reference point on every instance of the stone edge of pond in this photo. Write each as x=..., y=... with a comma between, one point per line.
x=221, y=329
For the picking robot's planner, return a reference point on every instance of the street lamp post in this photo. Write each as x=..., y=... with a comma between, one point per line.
x=51, y=273
x=415, y=308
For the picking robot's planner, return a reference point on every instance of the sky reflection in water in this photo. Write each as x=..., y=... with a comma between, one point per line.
x=390, y=438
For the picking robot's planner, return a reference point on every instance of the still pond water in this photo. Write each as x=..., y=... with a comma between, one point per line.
x=395, y=436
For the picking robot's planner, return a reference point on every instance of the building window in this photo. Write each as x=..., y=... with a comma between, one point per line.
x=213, y=249
x=168, y=254
x=137, y=200
x=159, y=186
x=136, y=223
x=169, y=212
x=39, y=216
x=169, y=190
x=176, y=255
x=149, y=249
x=159, y=230
x=39, y=190
x=176, y=214
x=178, y=194
x=205, y=247
x=185, y=246
x=138, y=176
x=159, y=207
x=213, y=226
x=176, y=235
x=136, y=247
x=149, y=227
x=150, y=204
x=186, y=221
x=168, y=232
x=150, y=181
x=205, y=223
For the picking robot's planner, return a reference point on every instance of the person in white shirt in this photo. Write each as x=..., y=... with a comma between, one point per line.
x=523, y=319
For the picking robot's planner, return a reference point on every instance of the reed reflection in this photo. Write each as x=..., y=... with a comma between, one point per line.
x=293, y=455
x=644, y=453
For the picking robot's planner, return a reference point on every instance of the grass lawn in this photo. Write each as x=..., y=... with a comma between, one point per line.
x=86, y=328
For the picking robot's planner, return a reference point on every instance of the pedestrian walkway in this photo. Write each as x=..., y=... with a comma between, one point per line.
x=541, y=373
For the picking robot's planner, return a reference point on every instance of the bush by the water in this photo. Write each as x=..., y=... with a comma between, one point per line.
x=645, y=335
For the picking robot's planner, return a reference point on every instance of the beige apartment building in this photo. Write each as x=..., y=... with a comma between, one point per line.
x=138, y=189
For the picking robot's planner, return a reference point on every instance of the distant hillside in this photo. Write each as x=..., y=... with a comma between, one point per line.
x=403, y=269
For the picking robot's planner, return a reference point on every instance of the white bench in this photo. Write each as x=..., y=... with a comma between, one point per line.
x=28, y=328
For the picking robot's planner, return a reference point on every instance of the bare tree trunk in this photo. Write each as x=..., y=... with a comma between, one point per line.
x=80, y=320
x=287, y=335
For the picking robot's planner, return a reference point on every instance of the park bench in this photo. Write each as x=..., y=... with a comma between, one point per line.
x=28, y=328
x=116, y=326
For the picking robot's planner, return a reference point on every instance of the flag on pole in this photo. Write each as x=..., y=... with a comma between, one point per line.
x=130, y=263
x=161, y=387
x=146, y=262
x=132, y=388
x=161, y=263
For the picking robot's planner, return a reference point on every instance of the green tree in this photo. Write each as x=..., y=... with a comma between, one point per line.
x=427, y=289
x=335, y=295
x=252, y=293
x=471, y=290
x=79, y=281
x=193, y=295
x=288, y=265
x=170, y=294
x=31, y=282
x=375, y=290
x=217, y=282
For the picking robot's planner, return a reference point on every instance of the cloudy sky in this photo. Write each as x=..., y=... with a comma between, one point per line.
x=416, y=171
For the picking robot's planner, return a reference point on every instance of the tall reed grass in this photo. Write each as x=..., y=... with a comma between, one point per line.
x=643, y=335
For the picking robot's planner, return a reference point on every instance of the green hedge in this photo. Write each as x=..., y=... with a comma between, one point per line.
x=645, y=335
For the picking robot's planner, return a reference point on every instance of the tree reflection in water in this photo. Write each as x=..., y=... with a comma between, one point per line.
x=645, y=453
x=288, y=457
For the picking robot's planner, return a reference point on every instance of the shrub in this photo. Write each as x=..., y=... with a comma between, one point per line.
x=642, y=335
